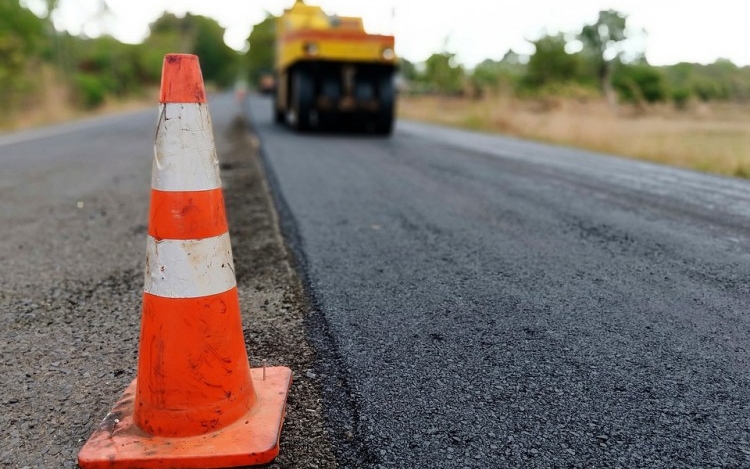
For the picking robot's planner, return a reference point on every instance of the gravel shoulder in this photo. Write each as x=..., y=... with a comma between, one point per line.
x=271, y=291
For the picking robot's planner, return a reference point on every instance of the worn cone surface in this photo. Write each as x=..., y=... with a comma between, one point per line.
x=195, y=402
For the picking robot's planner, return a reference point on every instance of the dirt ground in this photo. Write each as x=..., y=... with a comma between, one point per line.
x=70, y=298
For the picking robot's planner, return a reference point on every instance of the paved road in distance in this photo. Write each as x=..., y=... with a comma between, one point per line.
x=492, y=302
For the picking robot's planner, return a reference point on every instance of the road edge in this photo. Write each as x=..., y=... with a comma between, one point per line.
x=341, y=409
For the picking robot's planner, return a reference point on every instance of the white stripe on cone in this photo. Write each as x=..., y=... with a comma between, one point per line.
x=184, y=151
x=189, y=268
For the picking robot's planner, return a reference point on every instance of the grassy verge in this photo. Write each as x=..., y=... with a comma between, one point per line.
x=52, y=103
x=709, y=138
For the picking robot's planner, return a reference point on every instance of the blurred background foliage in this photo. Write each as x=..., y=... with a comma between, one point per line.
x=34, y=56
x=599, y=60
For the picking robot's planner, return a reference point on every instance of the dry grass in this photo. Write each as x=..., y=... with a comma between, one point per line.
x=712, y=138
x=51, y=104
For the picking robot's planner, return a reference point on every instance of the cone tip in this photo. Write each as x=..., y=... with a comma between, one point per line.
x=181, y=80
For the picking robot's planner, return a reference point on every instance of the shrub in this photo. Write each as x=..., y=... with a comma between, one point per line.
x=639, y=82
x=681, y=96
x=90, y=90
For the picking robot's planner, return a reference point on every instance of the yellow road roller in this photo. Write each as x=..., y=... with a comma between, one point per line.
x=332, y=74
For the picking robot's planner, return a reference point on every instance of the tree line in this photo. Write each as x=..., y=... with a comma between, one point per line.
x=597, y=60
x=93, y=69
x=600, y=59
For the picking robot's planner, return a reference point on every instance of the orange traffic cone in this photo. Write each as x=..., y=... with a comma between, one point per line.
x=195, y=402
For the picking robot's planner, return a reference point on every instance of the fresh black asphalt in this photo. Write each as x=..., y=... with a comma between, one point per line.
x=485, y=302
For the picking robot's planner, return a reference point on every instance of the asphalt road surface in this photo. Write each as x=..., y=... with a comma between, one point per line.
x=476, y=301
x=483, y=302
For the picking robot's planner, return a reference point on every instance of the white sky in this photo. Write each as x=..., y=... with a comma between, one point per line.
x=687, y=30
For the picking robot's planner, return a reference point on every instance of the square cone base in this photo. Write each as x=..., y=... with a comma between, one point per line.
x=252, y=439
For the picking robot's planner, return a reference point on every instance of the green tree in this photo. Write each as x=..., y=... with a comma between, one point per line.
x=486, y=76
x=721, y=80
x=602, y=43
x=443, y=73
x=218, y=61
x=408, y=70
x=550, y=63
x=639, y=83
x=198, y=35
x=261, y=54
x=105, y=66
x=492, y=75
x=21, y=37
